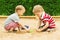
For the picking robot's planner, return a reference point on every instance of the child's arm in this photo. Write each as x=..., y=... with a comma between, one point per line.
x=20, y=25
x=38, y=22
x=46, y=25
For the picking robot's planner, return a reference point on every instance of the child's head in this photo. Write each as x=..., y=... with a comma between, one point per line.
x=38, y=9
x=20, y=9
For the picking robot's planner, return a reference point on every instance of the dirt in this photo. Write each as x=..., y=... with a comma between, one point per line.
x=29, y=36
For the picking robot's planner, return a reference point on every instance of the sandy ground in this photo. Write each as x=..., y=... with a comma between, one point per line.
x=29, y=36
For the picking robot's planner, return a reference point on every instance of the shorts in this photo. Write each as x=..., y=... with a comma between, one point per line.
x=11, y=25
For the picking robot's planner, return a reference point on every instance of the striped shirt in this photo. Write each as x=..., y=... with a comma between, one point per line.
x=47, y=18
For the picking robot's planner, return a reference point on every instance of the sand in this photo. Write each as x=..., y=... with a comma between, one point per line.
x=29, y=36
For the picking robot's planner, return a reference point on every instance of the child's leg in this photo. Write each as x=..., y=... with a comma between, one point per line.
x=47, y=29
x=51, y=30
x=11, y=26
x=11, y=29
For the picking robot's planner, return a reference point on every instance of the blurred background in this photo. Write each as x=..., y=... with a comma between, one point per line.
x=51, y=7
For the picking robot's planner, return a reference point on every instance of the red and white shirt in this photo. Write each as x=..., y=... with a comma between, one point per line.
x=47, y=18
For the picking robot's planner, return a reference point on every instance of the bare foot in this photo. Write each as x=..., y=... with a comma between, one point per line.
x=50, y=30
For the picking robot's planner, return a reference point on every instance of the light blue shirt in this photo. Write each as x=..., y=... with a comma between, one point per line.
x=14, y=17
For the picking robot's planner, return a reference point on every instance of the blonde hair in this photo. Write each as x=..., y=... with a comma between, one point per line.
x=19, y=7
x=37, y=8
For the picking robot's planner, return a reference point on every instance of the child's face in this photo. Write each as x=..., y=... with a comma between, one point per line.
x=38, y=14
x=20, y=12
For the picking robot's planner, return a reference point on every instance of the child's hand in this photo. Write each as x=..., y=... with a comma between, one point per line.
x=39, y=30
x=27, y=28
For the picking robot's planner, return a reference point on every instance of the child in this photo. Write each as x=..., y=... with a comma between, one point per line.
x=12, y=22
x=46, y=19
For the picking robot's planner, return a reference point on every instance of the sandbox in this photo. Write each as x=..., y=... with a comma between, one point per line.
x=30, y=21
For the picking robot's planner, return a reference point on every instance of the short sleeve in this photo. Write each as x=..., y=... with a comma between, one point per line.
x=46, y=20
